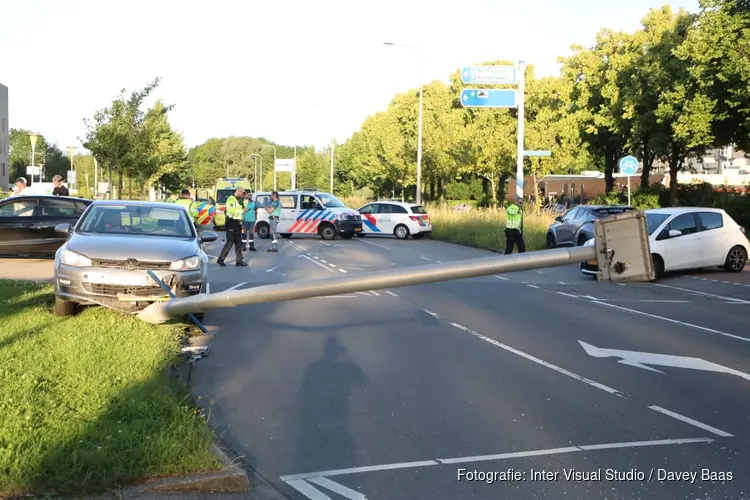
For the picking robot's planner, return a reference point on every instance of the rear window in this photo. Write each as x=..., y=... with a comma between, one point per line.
x=223, y=194
x=418, y=209
x=606, y=212
x=710, y=220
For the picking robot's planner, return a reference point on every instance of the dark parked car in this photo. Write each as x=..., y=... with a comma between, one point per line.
x=27, y=223
x=577, y=226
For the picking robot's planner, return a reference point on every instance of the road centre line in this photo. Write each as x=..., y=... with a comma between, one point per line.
x=567, y=295
x=391, y=293
x=556, y=368
x=236, y=286
x=501, y=456
x=433, y=314
x=375, y=293
x=342, y=270
x=531, y=286
x=502, y=278
x=304, y=256
x=690, y=421
x=706, y=294
x=373, y=244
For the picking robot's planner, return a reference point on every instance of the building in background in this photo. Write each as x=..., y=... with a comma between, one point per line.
x=4, y=139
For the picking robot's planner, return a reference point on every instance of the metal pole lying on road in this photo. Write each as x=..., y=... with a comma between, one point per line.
x=621, y=251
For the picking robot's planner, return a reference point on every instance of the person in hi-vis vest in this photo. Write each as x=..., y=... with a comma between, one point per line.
x=234, y=212
x=513, y=229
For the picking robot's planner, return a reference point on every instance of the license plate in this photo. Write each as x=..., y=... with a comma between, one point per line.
x=357, y=229
x=592, y=262
x=119, y=279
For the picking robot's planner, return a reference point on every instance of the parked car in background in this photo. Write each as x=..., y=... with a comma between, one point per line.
x=691, y=238
x=397, y=218
x=108, y=253
x=27, y=223
x=576, y=227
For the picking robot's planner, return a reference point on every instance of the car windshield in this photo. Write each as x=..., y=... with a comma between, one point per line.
x=653, y=221
x=329, y=201
x=123, y=219
x=223, y=194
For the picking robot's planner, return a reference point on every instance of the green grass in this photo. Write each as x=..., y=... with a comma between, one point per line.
x=486, y=228
x=86, y=403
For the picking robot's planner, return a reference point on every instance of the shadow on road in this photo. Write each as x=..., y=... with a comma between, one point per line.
x=324, y=407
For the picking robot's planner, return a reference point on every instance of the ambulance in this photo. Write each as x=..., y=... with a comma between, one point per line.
x=224, y=189
x=308, y=212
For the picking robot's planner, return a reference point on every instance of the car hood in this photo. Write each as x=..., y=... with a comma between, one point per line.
x=143, y=248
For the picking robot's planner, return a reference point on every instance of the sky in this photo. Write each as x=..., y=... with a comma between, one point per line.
x=294, y=72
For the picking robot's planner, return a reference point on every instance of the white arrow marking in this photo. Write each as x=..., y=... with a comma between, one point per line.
x=466, y=98
x=640, y=359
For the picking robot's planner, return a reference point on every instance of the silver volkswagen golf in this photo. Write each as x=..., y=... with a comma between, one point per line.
x=107, y=254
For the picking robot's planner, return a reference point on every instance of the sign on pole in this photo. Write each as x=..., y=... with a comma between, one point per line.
x=71, y=177
x=284, y=165
x=537, y=153
x=488, y=98
x=629, y=166
x=32, y=170
x=496, y=75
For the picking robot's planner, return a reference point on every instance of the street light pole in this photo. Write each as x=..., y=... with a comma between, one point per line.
x=274, y=166
x=332, y=148
x=33, y=138
x=419, y=132
x=255, y=177
x=71, y=152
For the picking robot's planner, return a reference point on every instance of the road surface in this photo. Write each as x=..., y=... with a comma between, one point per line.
x=538, y=379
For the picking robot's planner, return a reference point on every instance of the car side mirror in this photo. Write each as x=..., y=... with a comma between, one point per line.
x=63, y=229
x=211, y=201
x=673, y=233
x=209, y=236
x=559, y=218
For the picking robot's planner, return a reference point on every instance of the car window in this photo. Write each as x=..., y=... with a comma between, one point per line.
x=710, y=220
x=418, y=209
x=20, y=208
x=223, y=194
x=570, y=215
x=684, y=223
x=653, y=221
x=369, y=209
x=398, y=209
x=288, y=201
x=329, y=201
x=601, y=213
x=263, y=201
x=385, y=208
x=61, y=208
x=137, y=220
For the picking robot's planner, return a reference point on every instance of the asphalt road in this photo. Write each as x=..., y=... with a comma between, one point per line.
x=402, y=394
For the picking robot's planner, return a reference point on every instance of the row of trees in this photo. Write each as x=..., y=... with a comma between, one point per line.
x=54, y=161
x=670, y=90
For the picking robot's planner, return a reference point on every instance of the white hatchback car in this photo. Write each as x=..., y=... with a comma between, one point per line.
x=691, y=238
x=395, y=217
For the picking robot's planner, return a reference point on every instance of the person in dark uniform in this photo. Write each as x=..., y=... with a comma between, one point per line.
x=59, y=190
x=234, y=213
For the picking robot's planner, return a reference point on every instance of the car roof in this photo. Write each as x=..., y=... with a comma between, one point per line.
x=682, y=210
x=400, y=203
x=135, y=203
x=601, y=207
x=48, y=197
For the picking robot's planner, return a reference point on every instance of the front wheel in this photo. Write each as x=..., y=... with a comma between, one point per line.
x=736, y=260
x=550, y=243
x=327, y=232
x=658, y=263
x=582, y=239
x=263, y=230
x=401, y=232
x=64, y=308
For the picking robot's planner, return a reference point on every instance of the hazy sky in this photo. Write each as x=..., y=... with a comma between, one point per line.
x=300, y=71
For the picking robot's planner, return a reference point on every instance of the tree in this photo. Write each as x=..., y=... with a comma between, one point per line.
x=20, y=152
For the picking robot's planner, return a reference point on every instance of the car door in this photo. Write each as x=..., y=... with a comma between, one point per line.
x=18, y=216
x=564, y=231
x=288, y=212
x=684, y=251
x=385, y=217
x=713, y=238
x=54, y=211
x=369, y=220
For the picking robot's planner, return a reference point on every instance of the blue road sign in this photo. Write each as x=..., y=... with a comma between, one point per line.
x=489, y=74
x=488, y=98
x=629, y=165
x=537, y=153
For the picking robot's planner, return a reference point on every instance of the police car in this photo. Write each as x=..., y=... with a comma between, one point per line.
x=397, y=218
x=308, y=212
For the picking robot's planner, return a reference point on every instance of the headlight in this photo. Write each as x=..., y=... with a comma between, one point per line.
x=189, y=264
x=340, y=216
x=71, y=258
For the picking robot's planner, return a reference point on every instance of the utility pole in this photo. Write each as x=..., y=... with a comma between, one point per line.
x=332, y=148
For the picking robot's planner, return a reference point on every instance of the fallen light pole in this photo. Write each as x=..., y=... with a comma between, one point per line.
x=621, y=250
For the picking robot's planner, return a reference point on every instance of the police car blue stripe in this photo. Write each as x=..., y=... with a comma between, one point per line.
x=302, y=215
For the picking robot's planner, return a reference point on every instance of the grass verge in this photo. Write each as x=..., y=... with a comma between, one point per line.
x=486, y=228
x=86, y=401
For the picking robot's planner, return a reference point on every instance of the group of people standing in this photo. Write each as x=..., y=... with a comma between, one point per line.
x=21, y=187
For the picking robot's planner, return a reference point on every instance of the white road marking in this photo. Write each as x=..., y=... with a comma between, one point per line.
x=556, y=368
x=590, y=297
x=342, y=270
x=272, y=269
x=298, y=247
x=296, y=478
x=375, y=293
x=391, y=293
x=304, y=256
x=363, y=293
x=706, y=294
x=236, y=286
x=670, y=320
x=433, y=314
x=323, y=261
x=308, y=490
x=667, y=301
x=439, y=261
x=531, y=286
x=373, y=244
x=561, y=282
x=622, y=284
x=332, y=265
x=690, y=421
x=337, y=297
x=315, y=257
x=338, y=488
x=567, y=294
x=424, y=257
x=502, y=278
x=540, y=272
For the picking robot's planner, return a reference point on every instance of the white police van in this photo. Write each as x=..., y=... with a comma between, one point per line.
x=308, y=212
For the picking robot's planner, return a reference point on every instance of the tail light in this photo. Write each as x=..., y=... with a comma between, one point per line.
x=414, y=218
x=743, y=230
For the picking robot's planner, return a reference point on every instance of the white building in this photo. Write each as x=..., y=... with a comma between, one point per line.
x=4, y=139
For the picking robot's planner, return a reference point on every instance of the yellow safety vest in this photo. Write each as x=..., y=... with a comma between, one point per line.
x=233, y=208
x=190, y=205
x=513, y=217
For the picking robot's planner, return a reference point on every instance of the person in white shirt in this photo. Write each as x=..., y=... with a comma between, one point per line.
x=21, y=189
